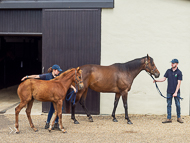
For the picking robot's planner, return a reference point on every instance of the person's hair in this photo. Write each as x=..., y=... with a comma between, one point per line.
x=50, y=70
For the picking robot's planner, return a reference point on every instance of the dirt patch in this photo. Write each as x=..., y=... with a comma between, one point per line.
x=145, y=128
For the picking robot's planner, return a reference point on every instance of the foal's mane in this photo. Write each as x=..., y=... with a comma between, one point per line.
x=131, y=65
x=63, y=74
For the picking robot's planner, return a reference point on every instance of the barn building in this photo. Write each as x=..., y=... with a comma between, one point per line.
x=35, y=34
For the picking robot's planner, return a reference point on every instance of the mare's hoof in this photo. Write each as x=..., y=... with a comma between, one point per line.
x=76, y=122
x=91, y=120
x=129, y=122
x=115, y=120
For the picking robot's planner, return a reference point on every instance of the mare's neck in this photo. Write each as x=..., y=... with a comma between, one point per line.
x=135, y=71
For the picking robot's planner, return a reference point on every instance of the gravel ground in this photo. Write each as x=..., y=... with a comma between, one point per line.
x=145, y=129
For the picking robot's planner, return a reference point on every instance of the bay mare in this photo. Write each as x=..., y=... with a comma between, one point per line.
x=47, y=90
x=116, y=78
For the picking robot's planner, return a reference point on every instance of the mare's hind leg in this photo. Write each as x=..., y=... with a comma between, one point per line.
x=117, y=96
x=28, y=111
x=124, y=97
x=17, y=111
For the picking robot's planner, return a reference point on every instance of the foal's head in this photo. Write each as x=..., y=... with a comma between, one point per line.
x=74, y=72
x=150, y=67
x=78, y=78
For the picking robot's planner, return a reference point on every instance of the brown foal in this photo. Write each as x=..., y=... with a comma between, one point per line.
x=47, y=90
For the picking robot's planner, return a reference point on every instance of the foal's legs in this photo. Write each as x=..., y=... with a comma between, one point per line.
x=17, y=111
x=117, y=96
x=54, y=117
x=28, y=111
x=124, y=97
x=59, y=111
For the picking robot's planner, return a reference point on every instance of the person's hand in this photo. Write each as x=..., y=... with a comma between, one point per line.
x=154, y=81
x=75, y=90
x=175, y=94
x=24, y=78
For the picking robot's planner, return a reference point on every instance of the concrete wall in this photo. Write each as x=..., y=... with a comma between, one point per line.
x=134, y=28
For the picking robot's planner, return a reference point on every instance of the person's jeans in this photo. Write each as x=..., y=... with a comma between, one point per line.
x=51, y=111
x=169, y=103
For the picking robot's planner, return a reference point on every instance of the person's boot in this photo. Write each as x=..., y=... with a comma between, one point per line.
x=179, y=120
x=47, y=126
x=167, y=121
x=56, y=126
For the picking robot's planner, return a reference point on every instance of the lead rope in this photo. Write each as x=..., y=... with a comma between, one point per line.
x=72, y=96
x=160, y=91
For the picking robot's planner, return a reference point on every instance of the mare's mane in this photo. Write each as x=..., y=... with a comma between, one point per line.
x=131, y=65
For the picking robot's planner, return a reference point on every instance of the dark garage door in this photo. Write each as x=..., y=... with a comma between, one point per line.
x=72, y=38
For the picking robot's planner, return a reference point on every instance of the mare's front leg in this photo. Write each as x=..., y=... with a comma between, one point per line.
x=124, y=97
x=117, y=96
x=73, y=114
x=82, y=102
x=78, y=96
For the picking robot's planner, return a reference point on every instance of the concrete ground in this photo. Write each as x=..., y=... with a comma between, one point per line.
x=145, y=128
x=9, y=101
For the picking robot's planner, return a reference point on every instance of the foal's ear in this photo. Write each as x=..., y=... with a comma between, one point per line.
x=78, y=68
x=148, y=57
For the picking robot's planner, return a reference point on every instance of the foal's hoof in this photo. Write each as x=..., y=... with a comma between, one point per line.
x=129, y=122
x=115, y=120
x=63, y=130
x=91, y=120
x=49, y=130
x=17, y=132
x=35, y=130
x=76, y=122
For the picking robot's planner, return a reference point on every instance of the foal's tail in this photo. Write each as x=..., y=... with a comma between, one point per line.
x=67, y=106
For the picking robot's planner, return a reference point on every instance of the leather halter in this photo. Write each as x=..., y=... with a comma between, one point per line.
x=146, y=66
x=77, y=79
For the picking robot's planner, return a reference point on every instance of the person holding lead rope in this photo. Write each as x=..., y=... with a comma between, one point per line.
x=174, y=76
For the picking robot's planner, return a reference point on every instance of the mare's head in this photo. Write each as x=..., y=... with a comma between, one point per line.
x=150, y=67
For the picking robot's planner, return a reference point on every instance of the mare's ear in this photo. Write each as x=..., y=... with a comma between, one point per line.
x=148, y=57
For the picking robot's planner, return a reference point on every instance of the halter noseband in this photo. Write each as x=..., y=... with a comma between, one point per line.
x=77, y=79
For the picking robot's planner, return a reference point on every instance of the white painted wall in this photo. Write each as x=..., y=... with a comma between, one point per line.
x=134, y=28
